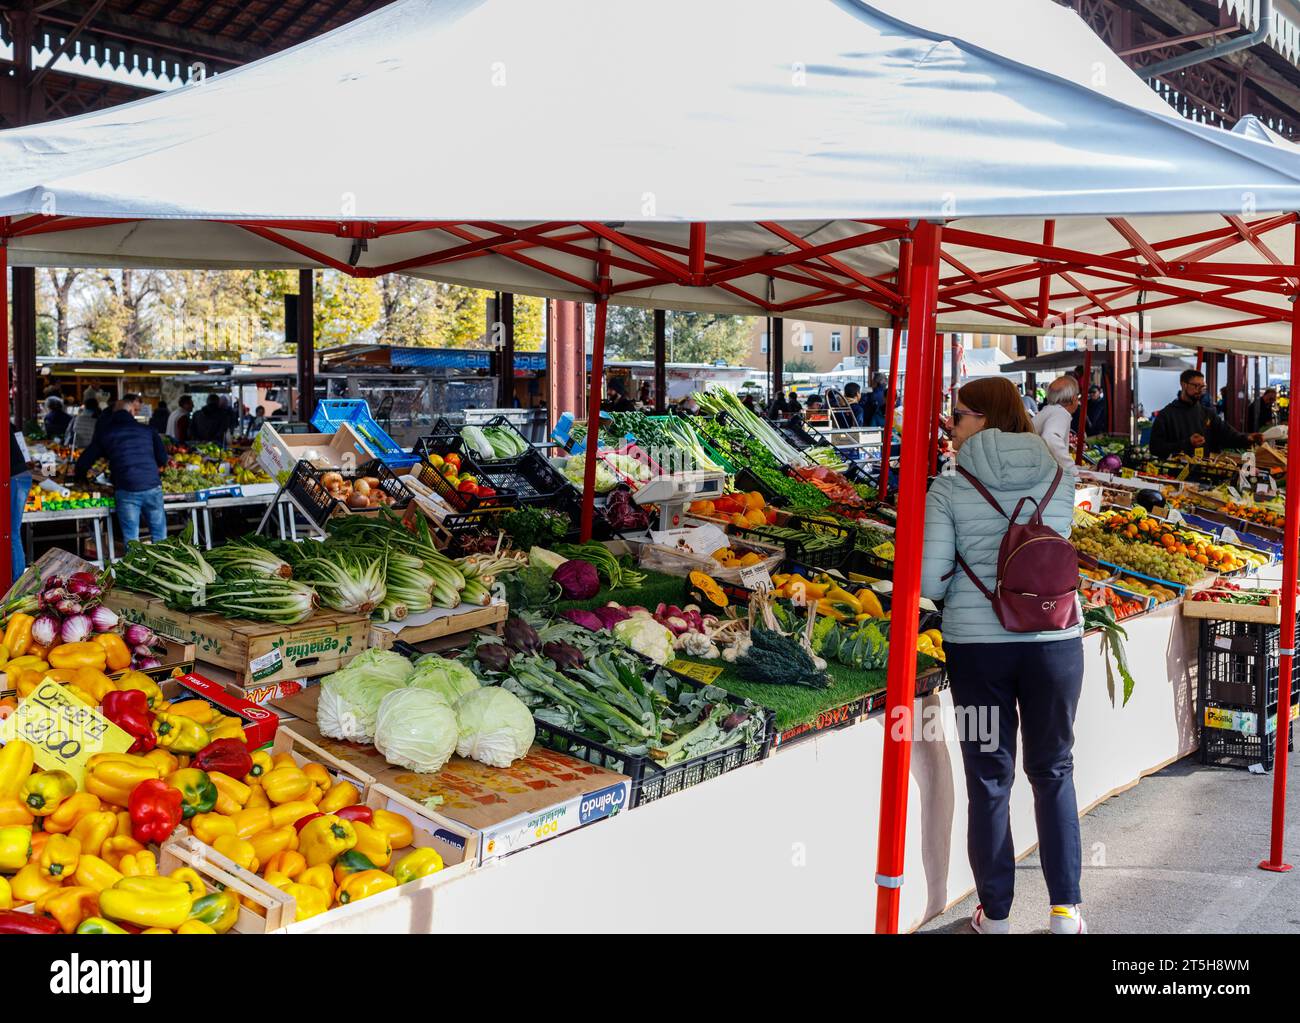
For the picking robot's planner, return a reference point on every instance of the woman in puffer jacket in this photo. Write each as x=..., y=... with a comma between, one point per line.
x=1002, y=678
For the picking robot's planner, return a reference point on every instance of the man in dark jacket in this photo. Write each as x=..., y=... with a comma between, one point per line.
x=1096, y=412
x=1185, y=424
x=209, y=423
x=1261, y=413
x=56, y=419
x=135, y=453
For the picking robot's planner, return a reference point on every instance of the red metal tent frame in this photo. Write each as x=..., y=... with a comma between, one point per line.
x=916, y=296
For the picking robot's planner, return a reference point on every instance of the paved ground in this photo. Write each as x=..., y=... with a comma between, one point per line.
x=1177, y=854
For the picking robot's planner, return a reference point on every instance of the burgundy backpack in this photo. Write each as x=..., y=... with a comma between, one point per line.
x=1038, y=569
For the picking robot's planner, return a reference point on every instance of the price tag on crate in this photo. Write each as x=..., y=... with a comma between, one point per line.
x=1234, y=493
x=1229, y=535
x=63, y=729
x=756, y=577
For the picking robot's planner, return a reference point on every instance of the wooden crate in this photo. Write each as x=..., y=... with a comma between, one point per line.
x=275, y=908
x=256, y=651
x=1268, y=614
x=466, y=618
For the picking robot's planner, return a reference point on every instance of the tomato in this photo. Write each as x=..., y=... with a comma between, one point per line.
x=468, y=486
x=486, y=492
x=453, y=459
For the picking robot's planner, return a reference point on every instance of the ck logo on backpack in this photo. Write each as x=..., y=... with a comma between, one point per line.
x=1038, y=569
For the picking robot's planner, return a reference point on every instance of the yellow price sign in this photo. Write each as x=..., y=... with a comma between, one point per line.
x=64, y=730
x=704, y=673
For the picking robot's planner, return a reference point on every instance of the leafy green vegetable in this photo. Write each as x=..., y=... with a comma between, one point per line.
x=349, y=698
x=417, y=729
x=530, y=588
x=1113, y=637
x=496, y=727
x=535, y=527
x=779, y=660
x=441, y=675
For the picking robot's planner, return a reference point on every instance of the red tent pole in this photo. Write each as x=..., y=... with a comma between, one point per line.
x=1200, y=358
x=1286, y=642
x=593, y=399
x=906, y=594
x=936, y=402
x=6, y=520
x=891, y=400
x=1084, y=384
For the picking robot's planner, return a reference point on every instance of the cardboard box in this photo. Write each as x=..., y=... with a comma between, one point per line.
x=260, y=724
x=278, y=453
x=543, y=795
x=257, y=652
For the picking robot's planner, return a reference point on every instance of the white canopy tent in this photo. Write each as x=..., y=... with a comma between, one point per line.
x=819, y=160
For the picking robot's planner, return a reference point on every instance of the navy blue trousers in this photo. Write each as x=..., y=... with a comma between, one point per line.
x=1033, y=688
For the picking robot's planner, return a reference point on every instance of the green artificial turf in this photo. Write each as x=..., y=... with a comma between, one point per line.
x=657, y=589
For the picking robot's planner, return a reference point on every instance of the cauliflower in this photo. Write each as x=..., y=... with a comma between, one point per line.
x=647, y=637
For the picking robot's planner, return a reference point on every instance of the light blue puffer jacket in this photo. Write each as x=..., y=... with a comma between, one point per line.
x=957, y=518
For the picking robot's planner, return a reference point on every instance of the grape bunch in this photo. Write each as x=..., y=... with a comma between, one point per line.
x=1145, y=558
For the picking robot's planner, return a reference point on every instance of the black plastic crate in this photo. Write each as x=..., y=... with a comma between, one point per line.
x=530, y=477
x=443, y=445
x=747, y=480
x=1223, y=748
x=797, y=434
x=305, y=487
x=833, y=554
x=649, y=781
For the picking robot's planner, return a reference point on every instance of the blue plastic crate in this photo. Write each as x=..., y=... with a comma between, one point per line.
x=330, y=412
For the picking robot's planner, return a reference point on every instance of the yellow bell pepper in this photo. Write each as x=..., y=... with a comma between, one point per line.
x=308, y=901
x=16, y=760
x=275, y=840
x=115, y=848
x=289, y=862
x=321, y=877
x=93, y=872
x=217, y=910
x=240, y=850
x=286, y=784
x=139, y=680
x=399, y=829
x=208, y=827
x=70, y=811
x=116, y=653
x=249, y=822
x=314, y=795
x=289, y=813
x=373, y=844
x=69, y=906
x=98, y=925
x=870, y=603
x=325, y=838
x=416, y=864
x=14, y=813
x=227, y=727
x=139, y=864
x=18, y=634
x=44, y=791
x=6, y=894
x=124, y=824
x=80, y=693
x=339, y=795
x=276, y=879
x=166, y=761
x=114, y=776
x=256, y=797
x=262, y=766
x=232, y=795
x=318, y=776
x=15, y=848
x=94, y=682
x=178, y=733
x=93, y=830
x=197, y=710
x=59, y=857
x=78, y=655
x=147, y=902
x=27, y=682
x=29, y=884
x=194, y=927
x=283, y=760
x=364, y=884
x=192, y=880
x=157, y=930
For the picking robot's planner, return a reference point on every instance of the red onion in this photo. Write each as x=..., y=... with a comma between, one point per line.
x=80, y=583
x=53, y=582
x=104, y=619
x=69, y=606
x=45, y=629
x=147, y=662
x=143, y=650
x=139, y=635
x=76, y=628
x=51, y=597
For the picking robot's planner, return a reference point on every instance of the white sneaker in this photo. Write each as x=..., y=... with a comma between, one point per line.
x=1066, y=920
x=981, y=924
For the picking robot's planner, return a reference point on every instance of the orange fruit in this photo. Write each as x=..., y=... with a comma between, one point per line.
x=739, y=520
x=755, y=517
x=754, y=500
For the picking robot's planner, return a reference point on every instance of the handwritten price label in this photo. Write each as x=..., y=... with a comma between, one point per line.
x=756, y=577
x=64, y=730
x=703, y=673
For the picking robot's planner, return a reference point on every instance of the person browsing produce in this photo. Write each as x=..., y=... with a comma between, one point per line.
x=1052, y=422
x=1185, y=424
x=998, y=676
x=135, y=453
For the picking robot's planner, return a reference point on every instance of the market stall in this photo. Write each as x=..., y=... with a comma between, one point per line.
x=1146, y=228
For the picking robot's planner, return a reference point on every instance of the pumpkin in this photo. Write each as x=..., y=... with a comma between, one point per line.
x=708, y=589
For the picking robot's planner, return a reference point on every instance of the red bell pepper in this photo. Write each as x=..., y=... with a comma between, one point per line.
x=155, y=809
x=13, y=922
x=129, y=710
x=302, y=822
x=228, y=756
x=357, y=812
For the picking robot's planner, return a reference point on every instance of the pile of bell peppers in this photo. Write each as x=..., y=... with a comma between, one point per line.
x=83, y=857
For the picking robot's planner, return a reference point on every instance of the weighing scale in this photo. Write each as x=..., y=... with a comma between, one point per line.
x=673, y=493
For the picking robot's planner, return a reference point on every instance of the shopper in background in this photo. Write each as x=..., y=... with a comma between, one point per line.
x=208, y=424
x=20, y=485
x=158, y=421
x=1097, y=418
x=230, y=415
x=1185, y=424
x=255, y=422
x=178, y=423
x=1260, y=413
x=81, y=431
x=129, y=403
x=135, y=453
x=1029, y=401
x=1053, y=420
x=876, y=412
x=56, y=418
x=1001, y=678
x=853, y=395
